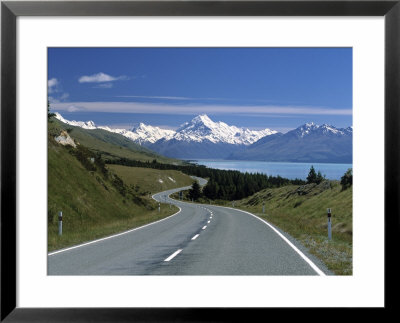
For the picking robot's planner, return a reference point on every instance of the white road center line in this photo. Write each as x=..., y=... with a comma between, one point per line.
x=173, y=255
x=194, y=238
x=208, y=221
x=204, y=227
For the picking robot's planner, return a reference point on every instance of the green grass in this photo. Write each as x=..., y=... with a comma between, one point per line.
x=111, y=145
x=151, y=180
x=301, y=211
x=91, y=204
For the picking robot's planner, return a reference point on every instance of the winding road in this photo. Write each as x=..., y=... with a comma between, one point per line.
x=198, y=240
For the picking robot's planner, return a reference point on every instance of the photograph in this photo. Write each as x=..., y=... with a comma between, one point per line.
x=201, y=161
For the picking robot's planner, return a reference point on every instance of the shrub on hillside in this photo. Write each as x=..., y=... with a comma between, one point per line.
x=313, y=177
x=347, y=179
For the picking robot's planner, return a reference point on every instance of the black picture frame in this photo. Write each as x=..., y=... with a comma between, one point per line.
x=10, y=10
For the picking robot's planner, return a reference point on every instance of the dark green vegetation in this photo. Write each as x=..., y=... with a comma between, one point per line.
x=195, y=192
x=313, y=177
x=347, y=179
x=95, y=200
x=222, y=184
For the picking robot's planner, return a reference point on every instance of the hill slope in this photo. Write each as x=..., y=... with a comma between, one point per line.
x=95, y=200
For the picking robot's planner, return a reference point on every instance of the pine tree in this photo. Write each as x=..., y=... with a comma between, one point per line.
x=319, y=178
x=49, y=114
x=195, y=192
x=312, y=176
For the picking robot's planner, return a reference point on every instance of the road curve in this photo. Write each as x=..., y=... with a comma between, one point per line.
x=198, y=240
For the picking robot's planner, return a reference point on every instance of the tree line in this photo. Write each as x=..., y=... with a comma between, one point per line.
x=222, y=184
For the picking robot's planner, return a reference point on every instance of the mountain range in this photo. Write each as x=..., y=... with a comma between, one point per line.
x=203, y=138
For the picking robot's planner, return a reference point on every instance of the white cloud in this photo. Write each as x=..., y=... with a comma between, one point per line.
x=64, y=96
x=52, y=85
x=140, y=107
x=167, y=97
x=100, y=77
x=73, y=108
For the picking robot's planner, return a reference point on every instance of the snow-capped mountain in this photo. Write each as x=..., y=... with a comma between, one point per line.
x=199, y=129
x=202, y=128
x=307, y=143
x=325, y=129
x=203, y=138
x=141, y=134
x=82, y=124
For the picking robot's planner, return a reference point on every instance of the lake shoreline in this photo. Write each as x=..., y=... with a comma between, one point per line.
x=290, y=170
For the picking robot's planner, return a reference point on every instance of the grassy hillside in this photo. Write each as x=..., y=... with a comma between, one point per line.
x=301, y=211
x=151, y=180
x=109, y=144
x=95, y=201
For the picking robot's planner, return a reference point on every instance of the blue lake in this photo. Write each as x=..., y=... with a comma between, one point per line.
x=286, y=170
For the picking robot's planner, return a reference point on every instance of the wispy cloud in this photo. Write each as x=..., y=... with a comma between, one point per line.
x=166, y=97
x=140, y=107
x=154, y=97
x=52, y=85
x=197, y=99
x=100, y=78
x=103, y=86
x=55, y=89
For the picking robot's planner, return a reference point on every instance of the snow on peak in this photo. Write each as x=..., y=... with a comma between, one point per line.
x=82, y=124
x=203, y=128
x=143, y=133
x=147, y=133
x=311, y=128
x=200, y=128
x=202, y=118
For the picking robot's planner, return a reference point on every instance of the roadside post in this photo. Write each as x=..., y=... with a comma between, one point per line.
x=60, y=223
x=263, y=209
x=159, y=207
x=329, y=224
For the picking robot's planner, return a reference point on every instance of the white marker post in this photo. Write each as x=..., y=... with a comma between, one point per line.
x=159, y=207
x=60, y=223
x=263, y=209
x=329, y=224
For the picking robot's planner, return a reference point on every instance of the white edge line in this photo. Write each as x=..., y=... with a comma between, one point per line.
x=302, y=255
x=113, y=236
x=173, y=255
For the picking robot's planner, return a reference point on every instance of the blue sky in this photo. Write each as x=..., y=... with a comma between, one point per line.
x=276, y=88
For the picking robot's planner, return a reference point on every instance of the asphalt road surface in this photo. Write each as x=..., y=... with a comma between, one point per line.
x=198, y=240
